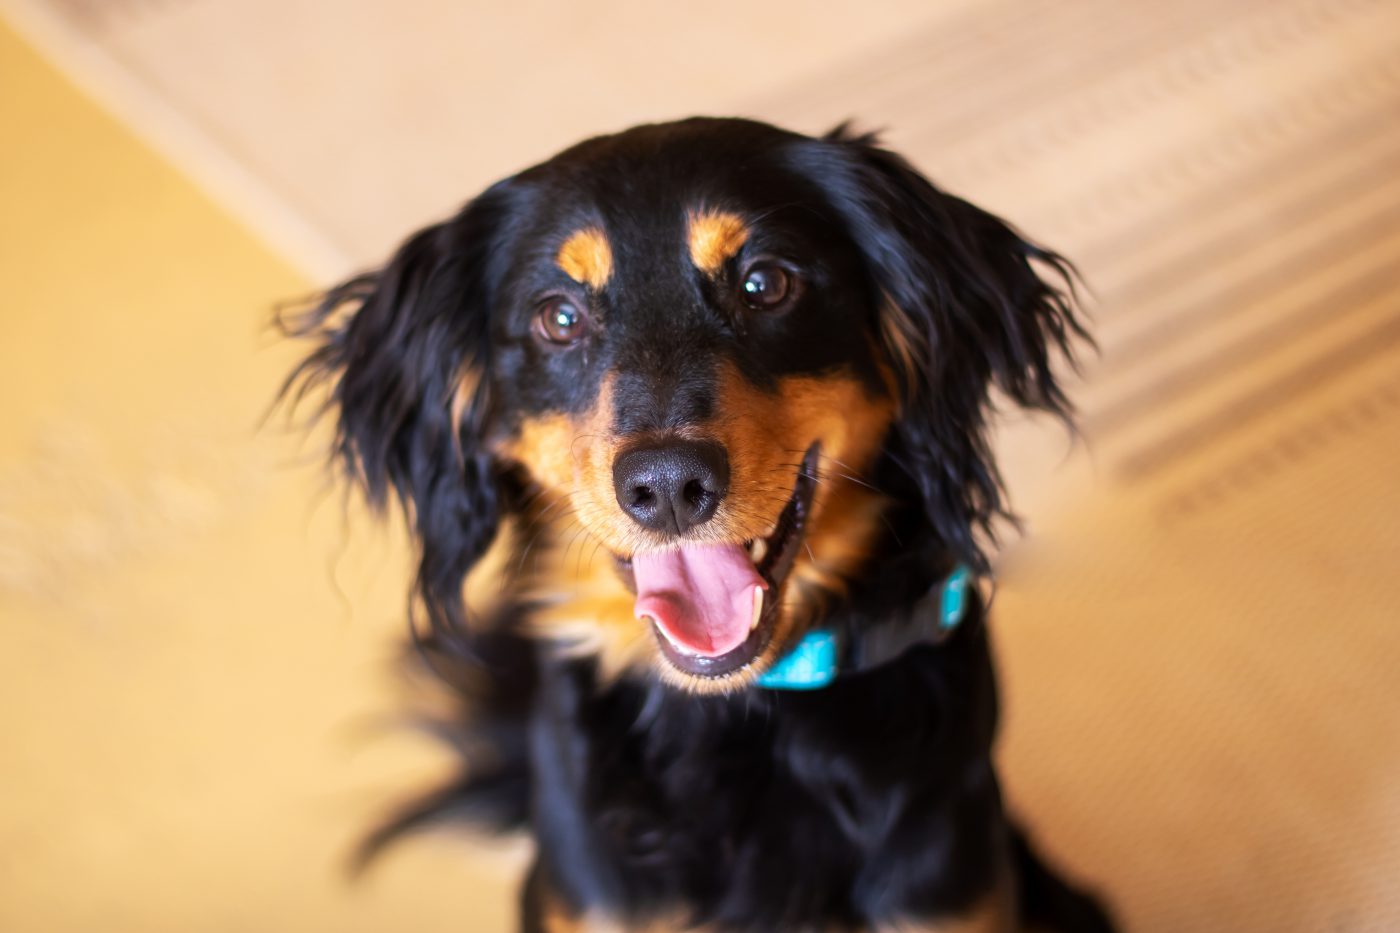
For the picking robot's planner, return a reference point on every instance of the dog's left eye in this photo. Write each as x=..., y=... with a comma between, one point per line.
x=766, y=286
x=561, y=321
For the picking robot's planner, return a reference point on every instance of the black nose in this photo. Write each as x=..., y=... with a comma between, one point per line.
x=671, y=487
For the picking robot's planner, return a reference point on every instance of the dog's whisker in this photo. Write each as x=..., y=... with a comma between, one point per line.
x=597, y=545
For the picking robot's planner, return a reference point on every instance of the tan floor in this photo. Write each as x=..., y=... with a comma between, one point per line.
x=1198, y=638
x=186, y=704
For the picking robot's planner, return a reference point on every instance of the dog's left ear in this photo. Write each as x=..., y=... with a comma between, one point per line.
x=964, y=302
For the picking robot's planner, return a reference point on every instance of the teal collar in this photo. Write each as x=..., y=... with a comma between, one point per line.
x=816, y=660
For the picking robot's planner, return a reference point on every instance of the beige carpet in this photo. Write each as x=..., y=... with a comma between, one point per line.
x=1200, y=650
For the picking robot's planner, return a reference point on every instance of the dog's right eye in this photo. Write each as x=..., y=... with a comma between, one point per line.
x=561, y=321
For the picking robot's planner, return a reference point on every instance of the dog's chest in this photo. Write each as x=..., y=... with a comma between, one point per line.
x=831, y=808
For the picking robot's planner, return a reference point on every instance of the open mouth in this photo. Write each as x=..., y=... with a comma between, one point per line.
x=714, y=607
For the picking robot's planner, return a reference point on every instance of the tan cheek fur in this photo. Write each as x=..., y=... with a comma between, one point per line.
x=571, y=528
x=767, y=435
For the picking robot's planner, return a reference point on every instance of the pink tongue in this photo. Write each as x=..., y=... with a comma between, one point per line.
x=703, y=597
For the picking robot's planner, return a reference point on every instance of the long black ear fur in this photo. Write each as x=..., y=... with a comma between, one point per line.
x=966, y=303
x=404, y=354
x=395, y=347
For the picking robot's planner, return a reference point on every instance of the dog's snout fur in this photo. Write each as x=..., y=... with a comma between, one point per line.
x=671, y=393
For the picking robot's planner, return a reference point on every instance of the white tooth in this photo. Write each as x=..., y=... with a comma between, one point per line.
x=757, y=607
x=759, y=550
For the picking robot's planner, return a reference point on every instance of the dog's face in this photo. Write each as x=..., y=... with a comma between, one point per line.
x=672, y=358
x=681, y=352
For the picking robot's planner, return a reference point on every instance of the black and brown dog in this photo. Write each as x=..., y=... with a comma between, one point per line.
x=716, y=396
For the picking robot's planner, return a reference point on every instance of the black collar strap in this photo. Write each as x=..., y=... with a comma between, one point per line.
x=822, y=654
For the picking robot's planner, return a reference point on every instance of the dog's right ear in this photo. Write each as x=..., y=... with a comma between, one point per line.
x=403, y=353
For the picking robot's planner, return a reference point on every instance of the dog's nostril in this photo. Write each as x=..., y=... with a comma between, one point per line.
x=695, y=493
x=672, y=487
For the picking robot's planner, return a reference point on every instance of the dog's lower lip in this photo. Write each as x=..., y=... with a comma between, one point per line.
x=780, y=552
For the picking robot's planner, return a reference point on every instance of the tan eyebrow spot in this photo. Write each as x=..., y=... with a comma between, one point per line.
x=715, y=237
x=586, y=257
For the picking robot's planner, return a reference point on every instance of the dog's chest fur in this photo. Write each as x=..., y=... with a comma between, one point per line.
x=869, y=804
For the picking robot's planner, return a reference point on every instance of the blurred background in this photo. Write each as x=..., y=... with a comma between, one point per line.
x=1198, y=636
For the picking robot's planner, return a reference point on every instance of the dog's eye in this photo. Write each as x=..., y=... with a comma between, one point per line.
x=766, y=286
x=561, y=321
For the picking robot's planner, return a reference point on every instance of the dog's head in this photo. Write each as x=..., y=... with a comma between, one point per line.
x=661, y=368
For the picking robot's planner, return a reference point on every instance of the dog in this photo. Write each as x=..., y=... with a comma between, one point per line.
x=706, y=403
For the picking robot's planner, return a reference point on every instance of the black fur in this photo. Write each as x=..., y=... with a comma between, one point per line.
x=977, y=312
x=418, y=323
x=873, y=801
